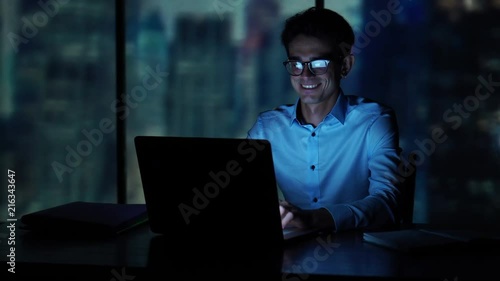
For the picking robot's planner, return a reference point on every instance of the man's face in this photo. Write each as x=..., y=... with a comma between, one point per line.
x=312, y=89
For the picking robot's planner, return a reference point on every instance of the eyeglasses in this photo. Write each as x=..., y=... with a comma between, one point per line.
x=316, y=67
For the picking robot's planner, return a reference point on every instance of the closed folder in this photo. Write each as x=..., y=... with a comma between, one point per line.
x=86, y=219
x=425, y=241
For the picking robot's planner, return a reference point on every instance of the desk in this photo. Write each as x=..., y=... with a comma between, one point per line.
x=139, y=254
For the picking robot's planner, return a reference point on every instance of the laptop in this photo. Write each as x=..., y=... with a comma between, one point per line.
x=211, y=191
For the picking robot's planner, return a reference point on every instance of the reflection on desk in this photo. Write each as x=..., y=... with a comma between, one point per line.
x=142, y=255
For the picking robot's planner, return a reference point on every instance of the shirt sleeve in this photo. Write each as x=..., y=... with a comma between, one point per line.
x=379, y=208
x=256, y=131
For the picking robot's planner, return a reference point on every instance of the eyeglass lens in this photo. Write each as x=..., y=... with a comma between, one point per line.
x=316, y=67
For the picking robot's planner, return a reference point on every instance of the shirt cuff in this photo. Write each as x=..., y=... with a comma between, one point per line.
x=343, y=217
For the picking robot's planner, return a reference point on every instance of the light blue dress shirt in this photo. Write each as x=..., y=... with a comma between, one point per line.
x=348, y=164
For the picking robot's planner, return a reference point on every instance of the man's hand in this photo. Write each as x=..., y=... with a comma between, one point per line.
x=296, y=217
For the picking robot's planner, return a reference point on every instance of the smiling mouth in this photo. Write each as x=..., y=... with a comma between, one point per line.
x=309, y=86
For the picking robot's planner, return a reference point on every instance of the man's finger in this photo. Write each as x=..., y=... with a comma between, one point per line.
x=282, y=211
x=286, y=219
x=284, y=203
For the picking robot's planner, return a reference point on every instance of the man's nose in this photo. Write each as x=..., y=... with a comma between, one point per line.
x=307, y=72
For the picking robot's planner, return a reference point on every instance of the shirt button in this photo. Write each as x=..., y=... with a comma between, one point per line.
x=315, y=200
x=313, y=167
x=313, y=134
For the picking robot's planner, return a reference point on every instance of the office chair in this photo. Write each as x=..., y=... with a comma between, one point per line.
x=407, y=201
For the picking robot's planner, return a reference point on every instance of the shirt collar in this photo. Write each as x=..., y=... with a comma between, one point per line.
x=338, y=111
x=293, y=116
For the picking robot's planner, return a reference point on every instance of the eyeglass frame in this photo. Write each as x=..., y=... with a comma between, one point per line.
x=308, y=63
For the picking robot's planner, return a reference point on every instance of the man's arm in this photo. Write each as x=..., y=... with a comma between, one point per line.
x=380, y=206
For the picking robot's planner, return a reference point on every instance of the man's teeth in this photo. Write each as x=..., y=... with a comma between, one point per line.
x=310, y=86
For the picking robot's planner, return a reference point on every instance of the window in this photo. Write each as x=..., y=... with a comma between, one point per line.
x=57, y=83
x=207, y=68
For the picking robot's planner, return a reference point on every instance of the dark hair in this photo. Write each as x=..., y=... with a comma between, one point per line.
x=326, y=25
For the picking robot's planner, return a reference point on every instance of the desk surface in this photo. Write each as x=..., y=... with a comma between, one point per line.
x=139, y=254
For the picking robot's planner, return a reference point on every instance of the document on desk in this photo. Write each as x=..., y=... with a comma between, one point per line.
x=423, y=240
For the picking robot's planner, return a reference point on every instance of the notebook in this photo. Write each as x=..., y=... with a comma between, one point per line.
x=421, y=240
x=211, y=190
x=86, y=219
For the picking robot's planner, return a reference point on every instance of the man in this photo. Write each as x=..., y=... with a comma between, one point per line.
x=335, y=155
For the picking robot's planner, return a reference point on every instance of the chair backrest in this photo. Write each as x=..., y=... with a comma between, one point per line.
x=408, y=178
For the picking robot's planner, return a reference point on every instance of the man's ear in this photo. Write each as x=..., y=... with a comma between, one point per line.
x=347, y=65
